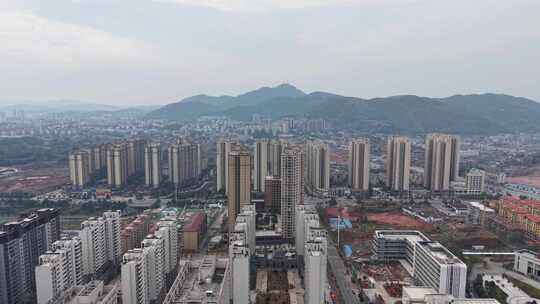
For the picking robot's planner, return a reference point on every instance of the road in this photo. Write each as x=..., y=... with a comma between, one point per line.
x=338, y=269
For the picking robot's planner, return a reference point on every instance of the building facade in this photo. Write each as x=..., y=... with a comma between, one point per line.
x=398, y=163
x=117, y=165
x=272, y=194
x=475, y=181
x=134, y=275
x=432, y=264
x=59, y=271
x=292, y=188
x=318, y=166
x=21, y=244
x=441, y=164
x=359, y=164
x=80, y=168
x=260, y=166
x=152, y=165
x=239, y=179
x=184, y=162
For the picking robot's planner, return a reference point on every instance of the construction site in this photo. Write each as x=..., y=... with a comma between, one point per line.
x=278, y=287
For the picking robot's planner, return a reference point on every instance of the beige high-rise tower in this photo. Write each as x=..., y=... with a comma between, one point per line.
x=359, y=164
x=117, y=165
x=318, y=166
x=79, y=168
x=223, y=149
x=398, y=163
x=274, y=157
x=184, y=162
x=135, y=156
x=292, y=188
x=239, y=179
x=441, y=161
x=152, y=165
x=260, y=169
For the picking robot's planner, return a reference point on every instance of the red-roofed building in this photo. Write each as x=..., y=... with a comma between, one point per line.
x=194, y=231
x=524, y=214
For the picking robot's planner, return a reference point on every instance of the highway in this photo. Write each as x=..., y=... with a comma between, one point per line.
x=338, y=269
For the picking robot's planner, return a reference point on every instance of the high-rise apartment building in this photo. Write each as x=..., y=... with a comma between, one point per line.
x=152, y=165
x=134, y=274
x=156, y=262
x=117, y=165
x=260, y=167
x=223, y=149
x=135, y=156
x=318, y=166
x=272, y=194
x=292, y=188
x=113, y=228
x=239, y=180
x=59, y=271
x=315, y=268
x=241, y=248
x=80, y=168
x=21, y=244
x=100, y=242
x=99, y=155
x=184, y=162
x=94, y=245
x=168, y=231
x=359, y=164
x=274, y=157
x=441, y=164
x=311, y=246
x=398, y=163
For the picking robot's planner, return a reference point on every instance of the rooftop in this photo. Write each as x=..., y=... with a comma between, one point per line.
x=441, y=253
x=409, y=235
x=195, y=222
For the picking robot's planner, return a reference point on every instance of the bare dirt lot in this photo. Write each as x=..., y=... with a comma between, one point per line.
x=37, y=178
x=396, y=220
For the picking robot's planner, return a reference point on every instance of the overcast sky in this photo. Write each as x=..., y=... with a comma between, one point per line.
x=158, y=51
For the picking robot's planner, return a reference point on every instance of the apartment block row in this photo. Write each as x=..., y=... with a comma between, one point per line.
x=520, y=214
x=146, y=270
x=71, y=262
x=125, y=159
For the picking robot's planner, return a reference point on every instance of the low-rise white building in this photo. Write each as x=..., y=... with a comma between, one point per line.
x=527, y=263
x=475, y=181
x=432, y=264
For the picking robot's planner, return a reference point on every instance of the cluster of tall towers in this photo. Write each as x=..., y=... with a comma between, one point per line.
x=441, y=162
x=135, y=157
x=278, y=170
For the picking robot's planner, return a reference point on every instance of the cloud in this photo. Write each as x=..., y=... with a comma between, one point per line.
x=35, y=39
x=259, y=5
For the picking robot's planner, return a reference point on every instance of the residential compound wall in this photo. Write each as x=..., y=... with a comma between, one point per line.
x=429, y=262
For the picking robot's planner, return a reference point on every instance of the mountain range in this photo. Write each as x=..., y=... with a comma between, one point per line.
x=406, y=114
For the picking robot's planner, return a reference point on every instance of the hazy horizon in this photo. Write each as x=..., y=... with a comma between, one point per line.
x=154, y=52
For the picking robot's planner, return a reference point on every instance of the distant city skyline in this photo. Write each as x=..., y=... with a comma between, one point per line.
x=154, y=52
